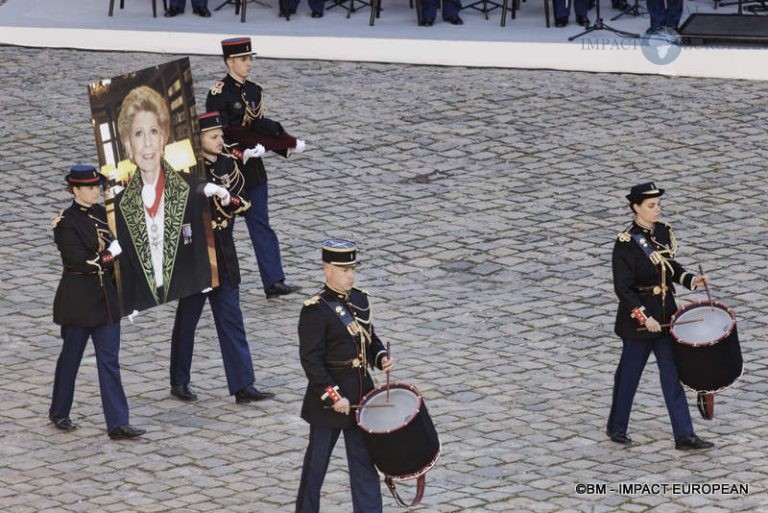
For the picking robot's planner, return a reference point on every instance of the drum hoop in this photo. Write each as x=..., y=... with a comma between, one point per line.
x=414, y=475
x=702, y=303
x=376, y=391
x=717, y=391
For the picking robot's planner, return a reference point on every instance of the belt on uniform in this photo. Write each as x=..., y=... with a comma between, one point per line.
x=656, y=290
x=82, y=273
x=343, y=364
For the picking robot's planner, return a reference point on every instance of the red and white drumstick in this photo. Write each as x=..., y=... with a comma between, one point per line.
x=375, y=405
x=689, y=321
x=388, y=347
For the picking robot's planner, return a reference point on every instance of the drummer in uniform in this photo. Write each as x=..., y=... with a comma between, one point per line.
x=644, y=275
x=338, y=345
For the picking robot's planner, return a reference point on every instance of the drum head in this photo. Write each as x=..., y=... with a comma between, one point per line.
x=702, y=324
x=405, y=406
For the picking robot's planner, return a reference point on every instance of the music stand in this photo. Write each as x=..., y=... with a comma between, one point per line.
x=600, y=25
x=349, y=8
x=240, y=6
x=484, y=9
x=631, y=10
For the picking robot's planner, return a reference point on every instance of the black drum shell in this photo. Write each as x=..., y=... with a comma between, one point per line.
x=709, y=368
x=408, y=451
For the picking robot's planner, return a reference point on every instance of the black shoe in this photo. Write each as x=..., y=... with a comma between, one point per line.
x=125, y=432
x=281, y=289
x=317, y=14
x=203, y=12
x=692, y=442
x=173, y=11
x=426, y=23
x=582, y=20
x=561, y=22
x=251, y=394
x=184, y=393
x=619, y=438
x=63, y=423
x=455, y=20
x=619, y=4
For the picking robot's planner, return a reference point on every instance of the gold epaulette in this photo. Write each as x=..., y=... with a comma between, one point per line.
x=312, y=301
x=624, y=237
x=56, y=219
x=216, y=89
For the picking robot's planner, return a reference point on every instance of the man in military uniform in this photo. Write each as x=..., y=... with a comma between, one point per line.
x=86, y=305
x=223, y=170
x=240, y=104
x=337, y=345
x=644, y=274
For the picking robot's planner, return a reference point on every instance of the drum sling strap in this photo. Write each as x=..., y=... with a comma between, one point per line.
x=420, y=485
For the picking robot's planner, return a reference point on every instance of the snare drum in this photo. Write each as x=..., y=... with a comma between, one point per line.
x=707, y=353
x=401, y=438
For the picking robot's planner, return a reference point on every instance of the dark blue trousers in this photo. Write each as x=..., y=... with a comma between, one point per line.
x=665, y=13
x=634, y=355
x=451, y=9
x=580, y=7
x=106, y=343
x=263, y=237
x=363, y=478
x=179, y=4
x=235, y=352
x=315, y=5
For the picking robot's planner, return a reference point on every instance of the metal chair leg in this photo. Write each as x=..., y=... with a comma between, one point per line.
x=111, y=6
x=504, y=13
x=242, y=10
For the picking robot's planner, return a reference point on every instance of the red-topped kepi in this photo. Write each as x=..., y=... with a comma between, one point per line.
x=209, y=121
x=84, y=174
x=236, y=47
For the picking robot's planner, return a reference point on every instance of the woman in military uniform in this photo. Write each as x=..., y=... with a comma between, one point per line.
x=644, y=276
x=85, y=305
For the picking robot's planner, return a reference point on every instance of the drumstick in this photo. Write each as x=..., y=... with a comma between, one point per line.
x=387, y=371
x=353, y=406
x=689, y=321
x=706, y=287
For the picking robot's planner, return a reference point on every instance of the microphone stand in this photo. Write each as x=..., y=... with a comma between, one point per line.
x=600, y=25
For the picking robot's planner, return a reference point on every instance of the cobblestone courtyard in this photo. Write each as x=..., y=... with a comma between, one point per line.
x=485, y=204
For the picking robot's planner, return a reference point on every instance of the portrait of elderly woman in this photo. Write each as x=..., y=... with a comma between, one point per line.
x=159, y=214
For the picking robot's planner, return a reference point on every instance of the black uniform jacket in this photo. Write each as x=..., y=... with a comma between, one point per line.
x=325, y=344
x=186, y=262
x=241, y=109
x=223, y=171
x=84, y=298
x=638, y=281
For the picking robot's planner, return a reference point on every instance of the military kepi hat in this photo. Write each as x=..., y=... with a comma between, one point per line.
x=84, y=174
x=209, y=121
x=236, y=47
x=339, y=252
x=644, y=191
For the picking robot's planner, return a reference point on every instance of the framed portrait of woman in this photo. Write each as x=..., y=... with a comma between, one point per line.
x=147, y=136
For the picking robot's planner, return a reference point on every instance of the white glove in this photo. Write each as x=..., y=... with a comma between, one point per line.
x=300, y=146
x=131, y=316
x=114, y=248
x=256, y=151
x=211, y=189
x=206, y=290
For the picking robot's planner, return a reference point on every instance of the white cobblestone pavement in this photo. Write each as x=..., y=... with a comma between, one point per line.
x=485, y=203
